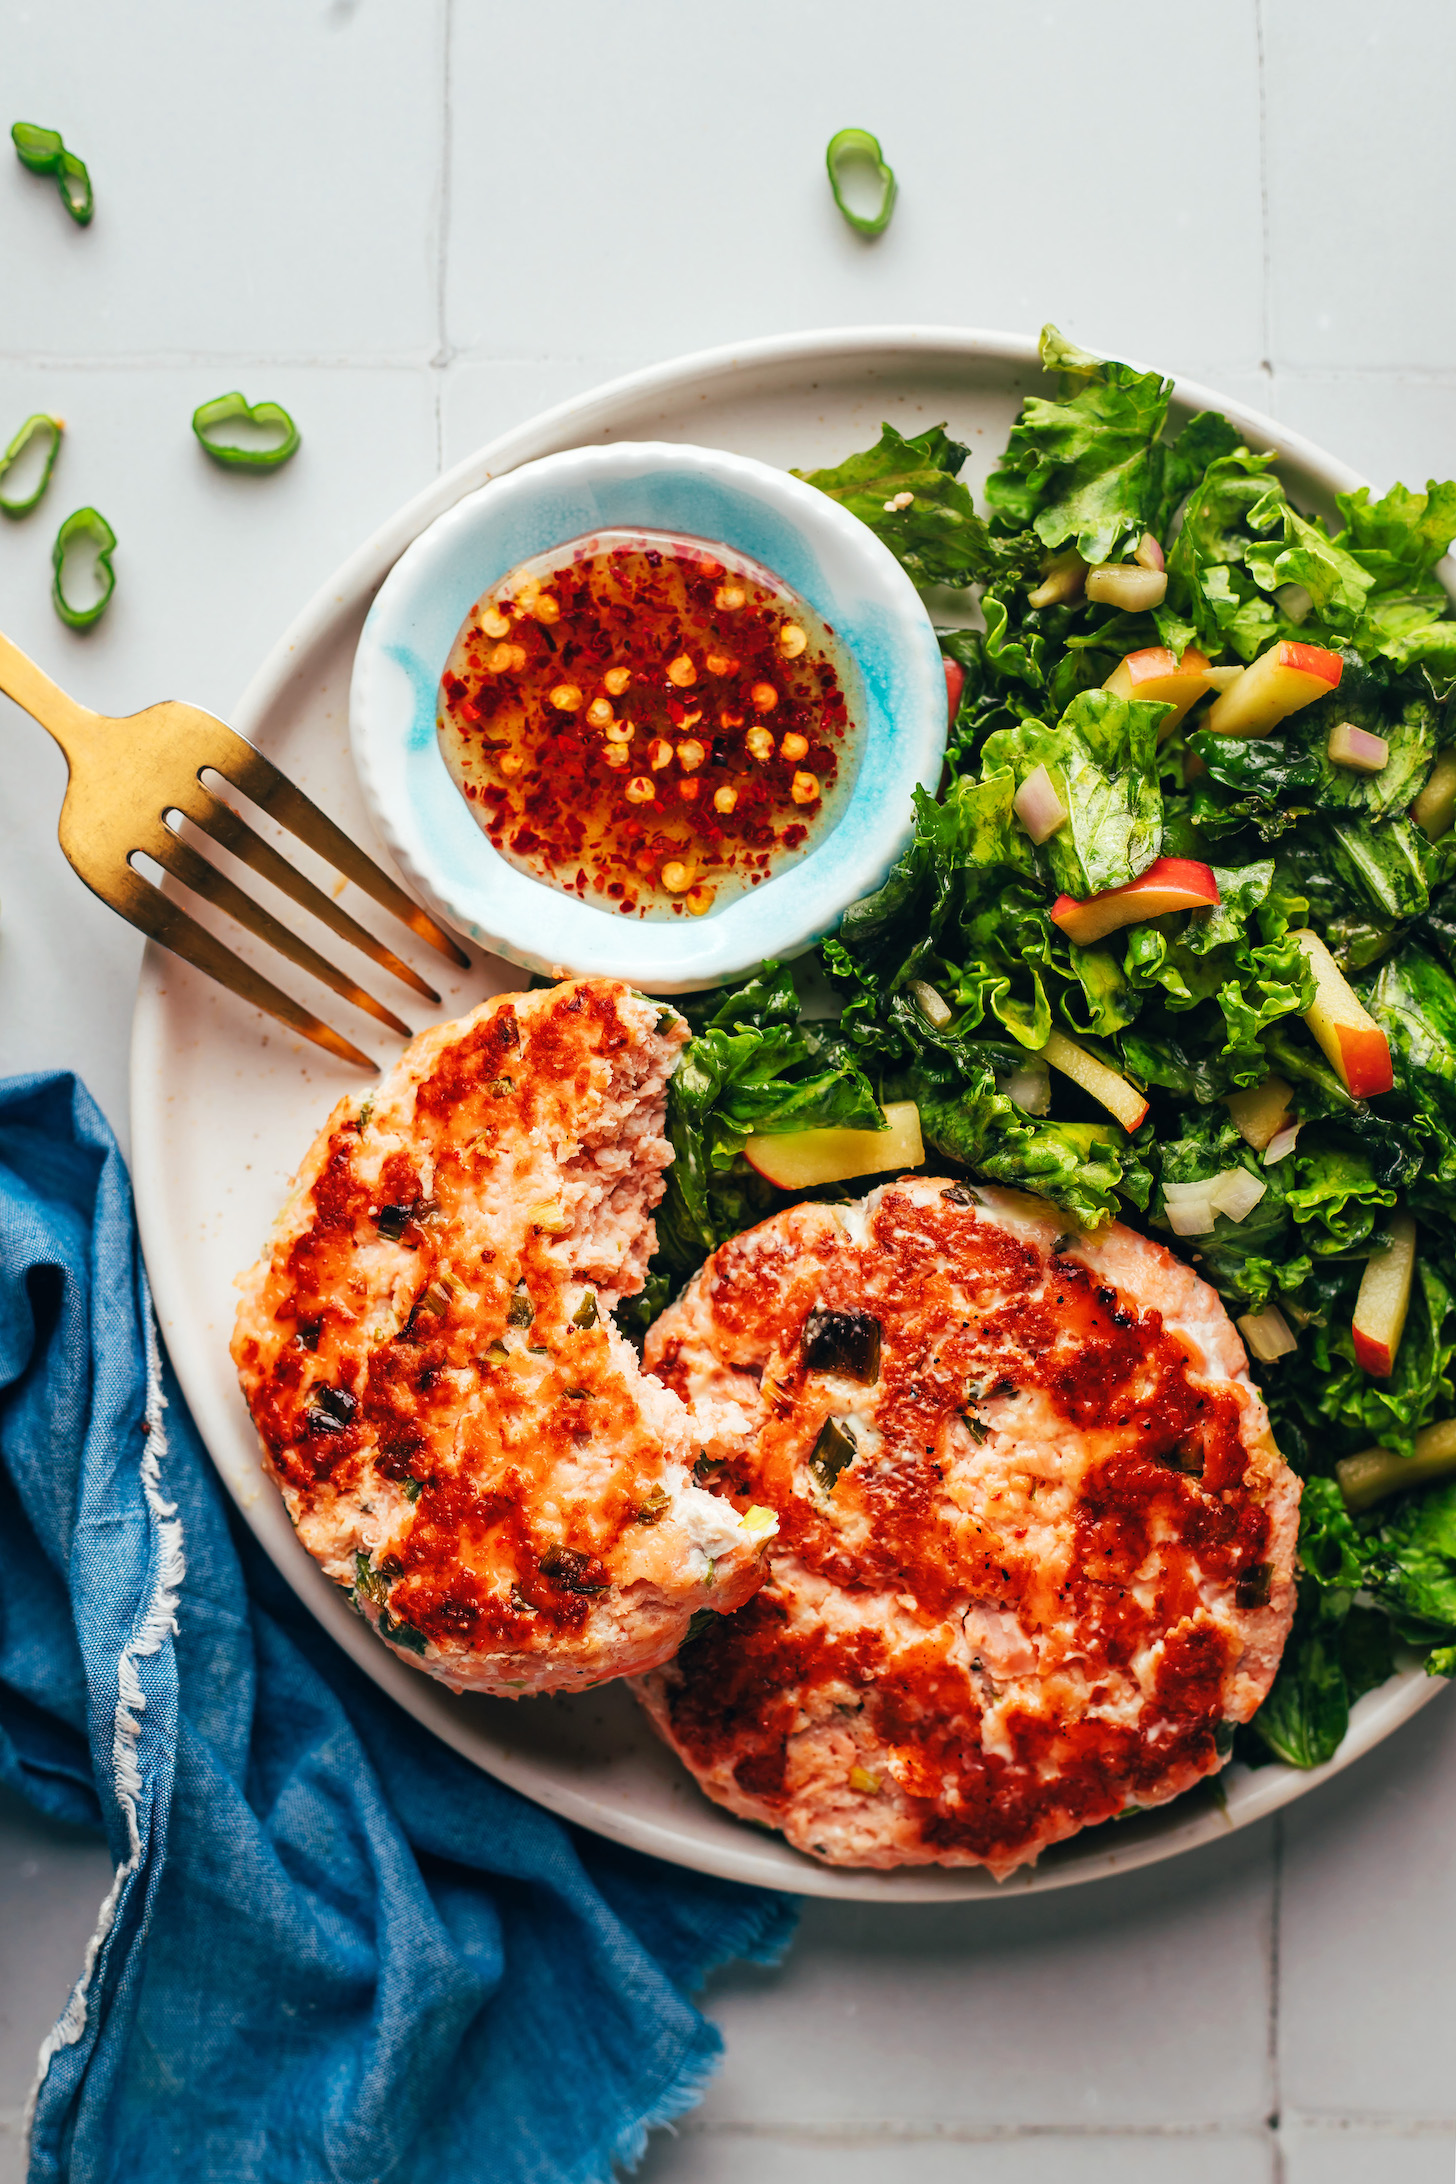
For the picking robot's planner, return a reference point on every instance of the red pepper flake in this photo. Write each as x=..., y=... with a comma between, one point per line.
x=606, y=795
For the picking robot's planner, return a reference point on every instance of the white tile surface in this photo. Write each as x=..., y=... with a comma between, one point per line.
x=1368, y=1960
x=52, y=1881
x=295, y=207
x=1361, y=164
x=1369, y=2157
x=697, y=2157
x=672, y=185
x=266, y=185
x=1066, y=2009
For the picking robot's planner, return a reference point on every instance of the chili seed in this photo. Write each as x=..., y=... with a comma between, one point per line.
x=794, y=746
x=566, y=697
x=764, y=697
x=724, y=799
x=681, y=671
x=792, y=640
x=760, y=743
x=804, y=789
x=640, y=790
x=616, y=680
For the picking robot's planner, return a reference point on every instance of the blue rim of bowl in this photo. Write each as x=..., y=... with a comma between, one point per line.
x=827, y=555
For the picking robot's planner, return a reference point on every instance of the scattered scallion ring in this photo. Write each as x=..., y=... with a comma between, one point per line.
x=233, y=409
x=86, y=527
x=55, y=426
x=857, y=148
x=44, y=153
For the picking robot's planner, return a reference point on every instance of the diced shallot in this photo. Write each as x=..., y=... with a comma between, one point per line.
x=1123, y=584
x=1295, y=602
x=1031, y=1088
x=1189, y=1208
x=1147, y=553
x=1235, y=1193
x=1038, y=806
x=932, y=1006
x=1281, y=1144
x=1267, y=1334
x=1352, y=746
x=1061, y=580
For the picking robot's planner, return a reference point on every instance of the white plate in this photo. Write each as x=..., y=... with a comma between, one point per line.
x=224, y=1104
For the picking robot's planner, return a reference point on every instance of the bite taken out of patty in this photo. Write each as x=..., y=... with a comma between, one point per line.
x=463, y=1439
x=1036, y=1543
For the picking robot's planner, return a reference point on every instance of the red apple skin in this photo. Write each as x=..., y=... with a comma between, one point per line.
x=955, y=683
x=1172, y=883
x=1368, y=1067
x=1372, y=1357
x=1313, y=660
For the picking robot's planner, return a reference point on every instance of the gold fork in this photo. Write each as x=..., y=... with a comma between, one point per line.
x=126, y=776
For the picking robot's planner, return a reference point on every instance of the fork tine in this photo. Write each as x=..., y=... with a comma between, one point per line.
x=164, y=921
x=194, y=871
x=259, y=778
x=232, y=831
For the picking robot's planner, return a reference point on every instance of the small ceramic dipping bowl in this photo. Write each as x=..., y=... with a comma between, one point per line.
x=894, y=681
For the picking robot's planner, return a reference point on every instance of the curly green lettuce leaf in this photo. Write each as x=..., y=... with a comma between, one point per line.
x=1083, y=1167
x=1085, y=469
x=1102, y=759
x=1410, y=1566
x=1397, y=541
x=1294, y=766
x=908, y=493
x=753, y=1068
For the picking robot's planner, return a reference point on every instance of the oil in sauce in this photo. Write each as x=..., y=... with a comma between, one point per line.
x=653, y=723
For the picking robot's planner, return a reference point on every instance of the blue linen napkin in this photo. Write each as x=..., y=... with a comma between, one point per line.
x=333, y=1950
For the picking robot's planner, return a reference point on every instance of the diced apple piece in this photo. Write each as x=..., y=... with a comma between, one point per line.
x=801, y=1160
x=1259, y=1115
x=1223, y=678
x=1372, y=1473
x=1120, y=1098
x=1279, y=682
x=955, y=683
x=1357, y=748
x=1354, y=1045
x=1172, y=883
x=1384, y=1299
x=1155, y=675
x=1435, y=808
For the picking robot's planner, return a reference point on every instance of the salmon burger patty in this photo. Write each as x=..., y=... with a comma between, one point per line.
x=1036, y=1543
x=462, y=1437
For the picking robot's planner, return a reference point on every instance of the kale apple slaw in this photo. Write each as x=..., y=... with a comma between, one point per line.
x=955, y=982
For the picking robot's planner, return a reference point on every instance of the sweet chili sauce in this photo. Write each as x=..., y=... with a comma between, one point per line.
x=648, y=722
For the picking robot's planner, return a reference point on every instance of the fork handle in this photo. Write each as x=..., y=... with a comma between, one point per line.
x=44, y=700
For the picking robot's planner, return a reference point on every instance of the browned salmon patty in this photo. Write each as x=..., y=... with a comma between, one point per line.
x=463, y=1439
x=1036, y=1543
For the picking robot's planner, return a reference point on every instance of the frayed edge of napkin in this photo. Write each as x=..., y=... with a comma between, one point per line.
x=157, y=1625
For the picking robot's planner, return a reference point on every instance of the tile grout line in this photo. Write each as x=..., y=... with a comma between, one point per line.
x=439, y=362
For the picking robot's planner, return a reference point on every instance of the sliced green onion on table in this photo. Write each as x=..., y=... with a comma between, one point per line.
x=43, y=151
x=230, y=410
x=852, y=154
x=87, y=527
x=20, y=503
